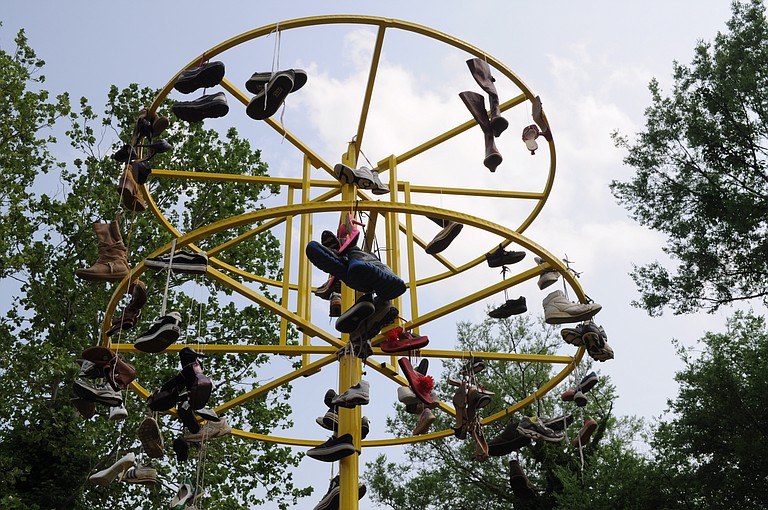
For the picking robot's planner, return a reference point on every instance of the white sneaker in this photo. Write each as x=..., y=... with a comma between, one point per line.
x=406, y=395
x=118, y=413
x=548, y=278
x=210, y=430
x=357, y=395
x=558, y=310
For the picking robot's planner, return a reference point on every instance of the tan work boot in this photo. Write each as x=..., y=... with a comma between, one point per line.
x=112, y=264
x=129, y=190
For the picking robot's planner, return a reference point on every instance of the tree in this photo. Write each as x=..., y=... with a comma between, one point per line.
x=46, y=451
x=711, y=453
x=442, y=473
x=701, y=173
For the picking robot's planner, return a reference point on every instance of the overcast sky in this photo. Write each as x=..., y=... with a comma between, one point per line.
x=589, y=61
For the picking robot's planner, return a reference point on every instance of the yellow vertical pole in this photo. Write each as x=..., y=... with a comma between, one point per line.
x=350, y=372
x=411, y=255
x=393, y=236
x=286, y=269
x=303, y=308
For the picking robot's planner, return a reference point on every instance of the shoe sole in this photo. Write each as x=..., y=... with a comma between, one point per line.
x=151, y=439
x=198, y=112
x=413, y=345
x=565, y=317
x=364, y=275
x=200, y=392
x=333, y=453
x=423, y=427
x=327, y=261
x=347, y=175
x=444, y=238
x=206, y=76
x=352, y=318
x=159, y=341
x=571, y=336
x=86, y=394
x=380, y=319
x=532, y=434
x=178, y=268
x=281, y=85
x=587, y=384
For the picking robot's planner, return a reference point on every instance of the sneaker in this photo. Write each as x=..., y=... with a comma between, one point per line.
x=330, y=240
x=118, y=413
x=509, y=440
x=601, y=354
x=334, y=309
x=558, y=423
x=592, y=335
x=151, y=438
x=141, y=474
x=336, y=448
x=98, y=393
x=210, y=430
x=328, y=398
x=444, y=238
x=400, y=341
x=500, y=257
x=579, y=398
x=331, y=499
x=547, y=278
x=472, y=367
x=587, y=382
x=422, y=385
x=206, y=107
x=531, y=426
x=266, y=103
x=257, y=81
x=185, y=495
x=573, y=335
x=329, y=421
x=183, y=262
x=351, y=319
x=585, y=434
x=162, y=333
x=384, y=314
x=207, y=414
x=366, y=271
x=207, y=75
x=365, y=427
x=426, y=419
x=106, y=476
x=86, y=408
x=519, y=483
x=329, y=261
x=331, y=286
x=357, y=395
x=406, y=395
x=568, y=395
x=511, y=307
x=558, y=310
x=181, y=449
x=187, y=417
x=363, y=178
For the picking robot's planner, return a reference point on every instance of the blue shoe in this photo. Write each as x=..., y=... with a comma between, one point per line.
x=366, y=271
x=326, y=260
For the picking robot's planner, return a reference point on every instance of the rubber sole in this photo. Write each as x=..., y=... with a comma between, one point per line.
x=366, y=275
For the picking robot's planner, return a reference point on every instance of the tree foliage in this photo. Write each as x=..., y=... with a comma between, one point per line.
x=701, y=174
x=443, y=473
x=47, y=451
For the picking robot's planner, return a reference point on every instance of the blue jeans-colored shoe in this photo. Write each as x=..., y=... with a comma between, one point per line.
x=366, y=271
x=327, y=260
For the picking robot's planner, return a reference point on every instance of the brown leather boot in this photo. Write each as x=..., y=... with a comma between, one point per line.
x=132, y=312
x=481, y=72
x=112, y=264
x=540, y=119
x=129, y=190
x=476, y=105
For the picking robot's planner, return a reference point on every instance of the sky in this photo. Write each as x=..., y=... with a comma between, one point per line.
x=590, y=62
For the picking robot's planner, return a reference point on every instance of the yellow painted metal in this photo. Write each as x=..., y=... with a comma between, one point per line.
x=397, y=217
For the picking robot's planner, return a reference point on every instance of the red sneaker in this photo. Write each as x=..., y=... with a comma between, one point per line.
x=400, y=341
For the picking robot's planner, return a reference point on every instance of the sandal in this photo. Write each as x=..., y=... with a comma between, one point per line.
x=348, y=233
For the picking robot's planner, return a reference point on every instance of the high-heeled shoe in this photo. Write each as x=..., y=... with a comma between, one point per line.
x=106, y=476
x=348, y=233
x=198, y=384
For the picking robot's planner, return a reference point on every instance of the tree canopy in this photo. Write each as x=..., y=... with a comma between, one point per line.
x=701, y=173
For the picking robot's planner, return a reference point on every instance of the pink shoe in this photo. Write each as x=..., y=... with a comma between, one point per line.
x=348, y=232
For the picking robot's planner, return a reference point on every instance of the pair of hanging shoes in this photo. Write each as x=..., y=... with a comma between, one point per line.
x=271, y=91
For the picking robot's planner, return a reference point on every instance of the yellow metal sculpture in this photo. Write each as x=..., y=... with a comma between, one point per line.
x=395, y=219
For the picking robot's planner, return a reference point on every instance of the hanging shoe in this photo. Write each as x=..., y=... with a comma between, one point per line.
x=585, y=434
x=573, y=335
x=106, y=476
x=112, y=263
x=266, y=103
x=530, y=134
x=118, y=413
x=540, y=119
x=331, y=499
x=199, y=385
x=444, y=238
x=500, y=257
x=357, y=395
x=352, y=318
x=476, y=106
x=579, y=398
x=426, y=419
x=398, y=340
x=331, y=286
x=130, y=315
x=163, y=332
x=519, y=483
x=182, y=262
x=406, y=395
x=348, y=233
x=360, y=177
x=187, y=417
x=422, y=385
x=211, y=430
x=86, y=408
x=460, y=405
x=98, y=393
x=481, y=72
x=532, y=427
x=329, y=240
x=329, y=421
x=140, y=474
x=385, y=313
x=206, y=107
x=184, y=496
x=558, y=310
x=511, y=307
x=128, y=189
x=125, y=154
x=151, y=438
x=328, y=261
x=181, y=449
x=587, y=382
x=114, y=368
x=507, y=441
x=207, y=75
x=334, y=309
x=365, y=271
x=336, y=448
x=257, y=81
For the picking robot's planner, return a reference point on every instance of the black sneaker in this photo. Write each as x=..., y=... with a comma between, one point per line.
x=183, y=262
x=336, y=448
x=511, y=307
x=207, y=75
x=508, y=441
x=331, y=286
x=335, y=306
x=162, y=333
x=206, y=107
x=124, y=154
x=331, y=499
x=444, y=238
x=357, y=313
x=98, y=393
x=500, y=257
x=385, y=314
